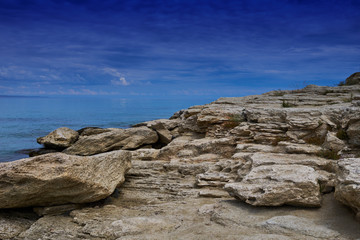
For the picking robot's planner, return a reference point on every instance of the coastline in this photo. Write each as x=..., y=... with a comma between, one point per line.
x=263, y=166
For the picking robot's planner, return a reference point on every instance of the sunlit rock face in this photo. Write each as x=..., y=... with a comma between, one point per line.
x=58, y=178
x=59, y=139
x=114, y=139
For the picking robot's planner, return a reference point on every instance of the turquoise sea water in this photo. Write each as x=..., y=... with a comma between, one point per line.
x=23, y=119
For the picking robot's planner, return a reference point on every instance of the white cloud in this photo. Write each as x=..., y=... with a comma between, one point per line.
x=120, y=79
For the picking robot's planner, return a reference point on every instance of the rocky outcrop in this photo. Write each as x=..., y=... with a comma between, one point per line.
x=347, y=188
x=59, y=139
x=165, y=128
x=58, y=178
x=352, y=79
x=115, y=139
x=290, y=147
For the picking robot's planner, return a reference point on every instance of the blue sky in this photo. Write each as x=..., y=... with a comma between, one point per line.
x=175, y=47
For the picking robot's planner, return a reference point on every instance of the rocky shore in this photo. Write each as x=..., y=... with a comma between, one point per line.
x=281, y=165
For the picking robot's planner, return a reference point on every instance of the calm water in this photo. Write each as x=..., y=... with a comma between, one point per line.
x=23, y=119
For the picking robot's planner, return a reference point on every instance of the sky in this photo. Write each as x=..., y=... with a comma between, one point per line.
x=175, y=47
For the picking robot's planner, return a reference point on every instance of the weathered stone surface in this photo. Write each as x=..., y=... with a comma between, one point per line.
x=146, y=154
x=58, y=178
x=56, y=210
x=256, y=142
x=300, y=148
x=11, y=227
x=276, y=185
x=168, y=124
x=164, y=127
x=165, y=136
x=259, y=159
x=92, y=131
x=353, y=133
x=60, y=138
x=333, y=143
x=193, y=148
x=304, y=226
x=169, y=197
x=347, y=188
x=115, y=139
x=54, y=227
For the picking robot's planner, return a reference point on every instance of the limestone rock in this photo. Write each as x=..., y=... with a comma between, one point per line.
x=164, y=134
x=347, y=188
x=145, y=154
x=276, y=185
x=353, y=133
x=164, y=127
x=115, y=139
x=300, y=148
x=92, y=131
x=333, y=143
x=53, y=227
x=59, y=139
x=259, y=159
x=11, y=227
x=168, y=124
x=58, y=178
x=304, y=226
x=193, y=148
x=56, y=210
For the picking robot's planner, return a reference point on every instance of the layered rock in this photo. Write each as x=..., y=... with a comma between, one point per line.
x=277, y=185
x=115, y=139
x=58, y=178
x=59, y=139
x=278, y=148
x=347, y=188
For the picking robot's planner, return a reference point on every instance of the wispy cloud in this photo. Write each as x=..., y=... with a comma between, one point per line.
x=120, y=47
x=120, y=79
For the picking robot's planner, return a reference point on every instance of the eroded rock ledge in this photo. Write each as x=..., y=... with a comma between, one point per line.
x=279, y=148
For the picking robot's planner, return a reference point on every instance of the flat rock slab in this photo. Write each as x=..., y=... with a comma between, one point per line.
x=276, y=185
x=259, y=159
x=347, y=188
x=115, y=139
x=303, y=226
x=58, y=178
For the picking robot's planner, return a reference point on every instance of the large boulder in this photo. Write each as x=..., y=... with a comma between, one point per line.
x=276, y=185
x=58, y=178
x=115, y=139
x=59, y=139
x=347, y=188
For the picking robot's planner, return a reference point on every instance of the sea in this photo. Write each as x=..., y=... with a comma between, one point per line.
x=24, y=119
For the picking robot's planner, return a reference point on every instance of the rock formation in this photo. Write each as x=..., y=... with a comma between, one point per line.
x=59, y=139
x=114, y=139
x=212, y=171
x=58, y=178
x=347, y=189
